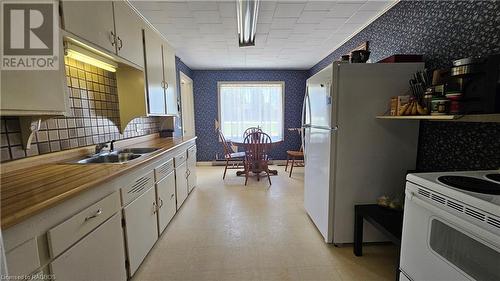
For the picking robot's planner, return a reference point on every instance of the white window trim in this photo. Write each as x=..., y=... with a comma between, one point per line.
x=282, y=83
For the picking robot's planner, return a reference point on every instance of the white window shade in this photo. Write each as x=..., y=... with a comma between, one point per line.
x=245, y=105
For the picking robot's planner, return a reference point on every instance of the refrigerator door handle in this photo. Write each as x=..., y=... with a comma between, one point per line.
x=303, y=125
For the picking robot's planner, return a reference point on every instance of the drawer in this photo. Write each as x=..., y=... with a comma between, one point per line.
x=164, y=169
x=67, y=233
x=191, y=152
x=179, y=159
x=23, y=259
x=137, y=187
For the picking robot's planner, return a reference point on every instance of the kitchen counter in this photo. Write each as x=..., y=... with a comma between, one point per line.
x=28, y=191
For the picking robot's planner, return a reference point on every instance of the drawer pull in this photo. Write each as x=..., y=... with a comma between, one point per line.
x=98, y=213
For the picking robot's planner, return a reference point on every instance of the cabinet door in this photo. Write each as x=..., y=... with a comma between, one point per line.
x=21, y=91
x=129, y=33
x=154, y=73
x=98, y=256
x=140, y=228
x=170, y=79
x=92, y=21
x=191, y=180
x=181, y=188
x=165, y=193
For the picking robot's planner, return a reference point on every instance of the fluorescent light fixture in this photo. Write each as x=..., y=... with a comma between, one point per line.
x=79, y=53
x=247, y=12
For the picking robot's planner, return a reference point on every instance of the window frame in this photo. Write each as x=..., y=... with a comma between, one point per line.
x=283, y=91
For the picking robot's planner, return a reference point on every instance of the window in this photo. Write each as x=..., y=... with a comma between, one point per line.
x=251, y=104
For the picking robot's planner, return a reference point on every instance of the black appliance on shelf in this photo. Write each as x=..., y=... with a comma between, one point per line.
x=479, y=81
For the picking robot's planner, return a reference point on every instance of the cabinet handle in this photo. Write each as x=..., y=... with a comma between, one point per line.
x=113, y=38
x=155, y=208
x=99, y=212
x=163, y=84
x=120, y=43
x=166, y=85
x=161, y=204
x=172, y=196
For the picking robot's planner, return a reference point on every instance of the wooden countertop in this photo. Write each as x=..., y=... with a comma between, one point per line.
x=28, y=191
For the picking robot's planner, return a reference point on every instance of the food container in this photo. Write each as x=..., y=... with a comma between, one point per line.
x=440, y=106
x=456, y=105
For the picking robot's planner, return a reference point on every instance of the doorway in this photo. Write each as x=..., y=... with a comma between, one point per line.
x=187, y=104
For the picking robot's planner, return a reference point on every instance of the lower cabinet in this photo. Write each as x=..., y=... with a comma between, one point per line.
x=191, y=173
x=181, y=184
x=140, y=228
x=165, y=193
x=98, y=256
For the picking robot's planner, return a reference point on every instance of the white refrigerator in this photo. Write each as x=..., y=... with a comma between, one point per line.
x=350, y=156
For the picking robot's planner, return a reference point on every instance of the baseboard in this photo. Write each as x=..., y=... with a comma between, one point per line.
x=223, y=163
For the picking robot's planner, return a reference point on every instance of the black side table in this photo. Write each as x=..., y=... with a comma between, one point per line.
x=388, y=221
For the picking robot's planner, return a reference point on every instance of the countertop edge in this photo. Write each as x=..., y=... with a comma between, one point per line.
x=35, y=209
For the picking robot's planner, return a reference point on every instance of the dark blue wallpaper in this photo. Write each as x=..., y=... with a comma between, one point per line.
x=441, y=31
x=206, y=106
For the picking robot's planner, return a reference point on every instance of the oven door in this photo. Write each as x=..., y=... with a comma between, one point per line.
x=438, y=245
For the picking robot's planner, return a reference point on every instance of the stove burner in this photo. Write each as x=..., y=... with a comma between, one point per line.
x=471, y=184
x=493, y=177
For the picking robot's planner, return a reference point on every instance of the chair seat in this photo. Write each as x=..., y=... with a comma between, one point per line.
x=236, y=155
x=295, y=153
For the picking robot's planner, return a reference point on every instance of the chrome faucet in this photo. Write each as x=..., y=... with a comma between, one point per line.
x=112, y=145
x=100, y=146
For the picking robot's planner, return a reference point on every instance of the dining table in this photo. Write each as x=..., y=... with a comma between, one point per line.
x=240, y=144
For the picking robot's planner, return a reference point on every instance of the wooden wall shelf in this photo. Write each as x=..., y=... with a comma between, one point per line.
x=458, y=118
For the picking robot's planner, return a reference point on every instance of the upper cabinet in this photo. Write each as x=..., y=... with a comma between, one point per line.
x=160, y=75
x=92, y=21
x=154, y=73
x=170, y=79
x=113, y=26
x=128, y=27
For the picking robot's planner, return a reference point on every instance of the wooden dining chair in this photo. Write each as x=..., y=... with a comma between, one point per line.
x=257, y=145
x=250, y=131
x=295, y=155
x=235, y=158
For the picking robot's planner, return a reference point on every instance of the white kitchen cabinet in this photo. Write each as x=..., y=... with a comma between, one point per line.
x=170, y=79
x=181, y=187
x=191, y=168
x=128, y=33
x=23, y=259
x=154, y=73
x=92, y=21
x=98, y=256
x=165, y=193
x=141, y=230
x=31, y=92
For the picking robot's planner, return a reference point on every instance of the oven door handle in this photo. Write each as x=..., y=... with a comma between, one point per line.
x=455, y=221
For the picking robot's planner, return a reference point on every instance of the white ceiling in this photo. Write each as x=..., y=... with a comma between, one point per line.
x=290, y=34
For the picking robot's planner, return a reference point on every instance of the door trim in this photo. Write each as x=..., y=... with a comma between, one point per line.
x=183, y=76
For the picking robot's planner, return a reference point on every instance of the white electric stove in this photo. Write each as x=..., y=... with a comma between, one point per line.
x=451, y=227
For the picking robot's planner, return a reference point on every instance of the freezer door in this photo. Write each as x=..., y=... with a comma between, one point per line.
x=317, y=188
x=319, y=105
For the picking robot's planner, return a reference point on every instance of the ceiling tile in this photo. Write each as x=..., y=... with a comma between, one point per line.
x=331, y=23
x=304, y=28
x=375, y=5
x=362, y=16
x=312, y=17
x=206, y=16
x=279, y=33
x=203, y=5
x=319, y=5
x=227, y=9
x=343, y=10
x=283, y=23
x=288, y=10
x=267, y=6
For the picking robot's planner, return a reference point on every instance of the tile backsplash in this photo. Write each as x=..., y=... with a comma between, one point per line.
x=94, y=112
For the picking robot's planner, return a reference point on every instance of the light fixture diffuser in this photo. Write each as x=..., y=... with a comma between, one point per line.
x=85, y=55
x=247, y=12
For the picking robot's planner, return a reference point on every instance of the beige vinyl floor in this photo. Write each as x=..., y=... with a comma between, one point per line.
x=228, y=231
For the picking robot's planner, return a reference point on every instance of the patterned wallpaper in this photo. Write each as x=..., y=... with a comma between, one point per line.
x=206, y=106
x=94, y=113
x=441, y=31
